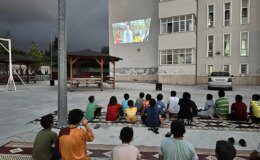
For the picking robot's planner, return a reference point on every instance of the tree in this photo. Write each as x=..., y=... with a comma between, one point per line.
x=105, y=50
x=35, y=52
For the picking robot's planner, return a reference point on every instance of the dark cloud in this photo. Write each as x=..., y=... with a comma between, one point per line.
x=24, y=11
x=34, y=20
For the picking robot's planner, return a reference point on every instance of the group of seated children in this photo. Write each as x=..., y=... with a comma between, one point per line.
x=71, y=142
x=153, y=112
x=237, y=112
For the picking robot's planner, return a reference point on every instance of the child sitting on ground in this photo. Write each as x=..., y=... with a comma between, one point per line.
x=92, y=109
x=152, y=117
x=43, y=146
x=238, y=110
x=139, y=102
x=255, y=108
x=131, y=112
x=112, y=109
x=126, y=151
x=146, y=102
x=124, y=104
x=209, y=108
x=161, y=105
x=222, y=105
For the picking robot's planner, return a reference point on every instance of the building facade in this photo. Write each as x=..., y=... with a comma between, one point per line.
x=187, y=40
x=140, y=60
x=228, y=39
x=177, y=42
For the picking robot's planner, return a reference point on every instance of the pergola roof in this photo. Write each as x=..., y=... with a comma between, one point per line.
x=16, y=59
x=88, y=53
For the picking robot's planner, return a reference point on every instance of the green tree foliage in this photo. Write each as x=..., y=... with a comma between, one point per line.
x=34, y=52
x=105, y=50
x=54, y=46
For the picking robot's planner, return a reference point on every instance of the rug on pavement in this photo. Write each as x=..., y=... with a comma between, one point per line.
x=199, y=124
x=23, y=151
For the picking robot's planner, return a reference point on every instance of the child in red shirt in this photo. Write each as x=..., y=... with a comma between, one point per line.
x=238, y=110
x=113, y=109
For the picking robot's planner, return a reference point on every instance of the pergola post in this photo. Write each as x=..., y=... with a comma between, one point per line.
x=114, y=74
x=27, y=73
x=101, y=63
x=71, y=67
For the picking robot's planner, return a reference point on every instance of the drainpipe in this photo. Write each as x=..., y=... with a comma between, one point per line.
x=196, y=65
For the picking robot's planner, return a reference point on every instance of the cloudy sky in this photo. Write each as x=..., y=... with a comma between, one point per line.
x=34, y=20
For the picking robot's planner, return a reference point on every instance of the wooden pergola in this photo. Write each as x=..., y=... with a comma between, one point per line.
x=90, y=55
x=19, y=60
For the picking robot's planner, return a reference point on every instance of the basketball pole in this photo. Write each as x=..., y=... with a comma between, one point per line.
x=10, y=84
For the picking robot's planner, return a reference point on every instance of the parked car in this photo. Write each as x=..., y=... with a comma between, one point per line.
x=220, y=80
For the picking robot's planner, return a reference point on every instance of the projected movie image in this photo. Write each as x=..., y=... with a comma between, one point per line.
x=131, y=31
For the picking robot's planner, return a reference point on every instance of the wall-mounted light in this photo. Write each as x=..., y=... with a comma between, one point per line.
x=218, y=53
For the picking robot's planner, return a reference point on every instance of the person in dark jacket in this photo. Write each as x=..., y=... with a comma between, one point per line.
x=188, y=108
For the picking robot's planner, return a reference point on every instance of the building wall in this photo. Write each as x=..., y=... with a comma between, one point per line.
x=183, y=74
x=140, y=60
x=176, y=8
x=235, y=59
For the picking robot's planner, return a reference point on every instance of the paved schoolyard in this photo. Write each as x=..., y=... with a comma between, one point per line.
x=24, y=105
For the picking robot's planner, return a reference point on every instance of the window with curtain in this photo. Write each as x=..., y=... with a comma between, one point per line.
x=227, y=45
x=244, y=44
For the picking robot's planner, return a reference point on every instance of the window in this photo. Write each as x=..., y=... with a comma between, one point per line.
x=243, y=68
x=227, y=14
x=226, y=68
x=165, y=0
x=244, y=15
x=163, y=57
x=189, y=23
x=227, y=45
x=176, y=56
x=169, y=25
x=163, y=25
x=169, y=57
x=177, y=24
x=244, y=44
x=211, y=46
x=209, y=69
x=211, y=15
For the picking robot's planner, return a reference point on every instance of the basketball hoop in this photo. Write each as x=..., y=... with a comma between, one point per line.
x=10, y=84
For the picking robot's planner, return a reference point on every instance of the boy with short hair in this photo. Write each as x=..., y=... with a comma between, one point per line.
x=173, y=106
x=175, y=147
x=161, y=105
x=152, y=117
x=255, y=155
x=238, y=110
x=139, y=102
x=126, y=151
x=92, y=109
x=131, y=112
x=222, y=105
x=43, y=146
x=209, y=108
x=124, y=104
x=72, y=139
x=225, y=151
x=255, y=108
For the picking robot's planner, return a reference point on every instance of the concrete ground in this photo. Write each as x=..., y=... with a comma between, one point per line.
x=24, y=105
